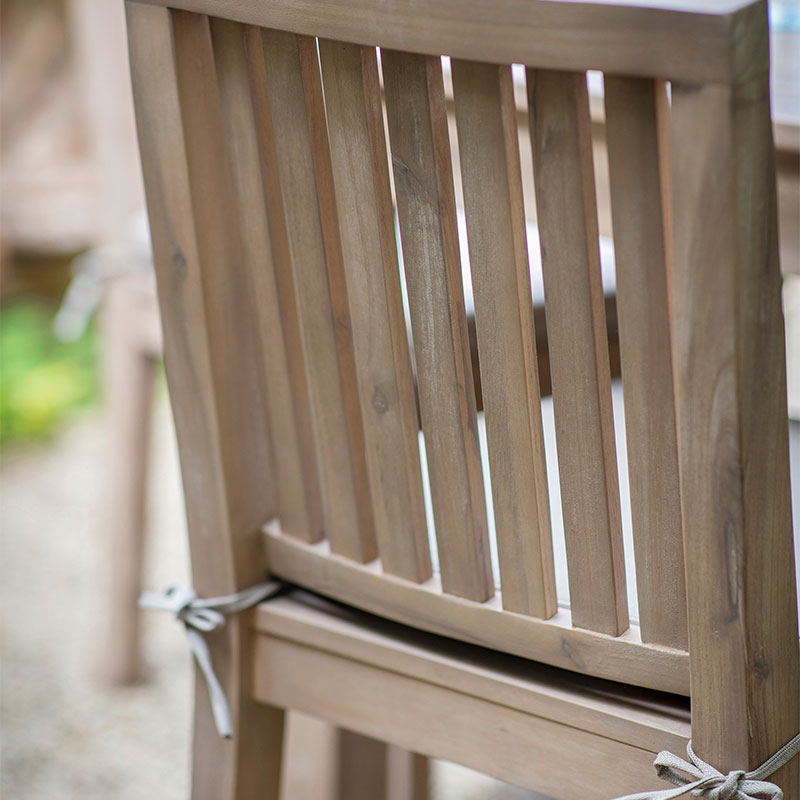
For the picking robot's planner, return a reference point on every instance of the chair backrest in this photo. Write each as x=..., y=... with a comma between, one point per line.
x=282, y=155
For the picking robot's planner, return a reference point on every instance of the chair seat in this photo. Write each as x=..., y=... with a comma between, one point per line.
x=448, y=700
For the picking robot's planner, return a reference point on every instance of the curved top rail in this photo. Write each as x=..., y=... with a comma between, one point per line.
x=703, y=41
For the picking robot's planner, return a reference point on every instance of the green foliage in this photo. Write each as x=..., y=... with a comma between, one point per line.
x=42, y=380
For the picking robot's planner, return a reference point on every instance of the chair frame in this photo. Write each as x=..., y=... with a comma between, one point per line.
x=743, y=662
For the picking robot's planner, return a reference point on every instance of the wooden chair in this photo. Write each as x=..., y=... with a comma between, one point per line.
x=298, y=400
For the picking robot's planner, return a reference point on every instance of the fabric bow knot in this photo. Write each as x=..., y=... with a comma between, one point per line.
x=200, y=616
x=706, y=781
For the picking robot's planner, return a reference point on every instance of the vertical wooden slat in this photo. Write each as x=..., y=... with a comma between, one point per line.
x=239, y=391
x=299, y=513
x=407, y=775
x=361, y=179
x=566, y=203
x=362, y=767
x=284, y=280
x=216, y=398
x=664, y=170
x=417, y=117
x=498, y=254
x=644, y=325
x=732, y=425
x=337, y=284
x=324, y=324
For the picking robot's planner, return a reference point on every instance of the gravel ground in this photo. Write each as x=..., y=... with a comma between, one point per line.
x=65, y=733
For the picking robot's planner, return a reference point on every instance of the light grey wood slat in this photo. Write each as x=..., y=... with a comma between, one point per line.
x=242, y=149
x=324, y=332
x=386, y=385
x=644, y=325
x=226, y=481
x=284, y=280
x=418, y=133
x=498, y=255
x=558, y=105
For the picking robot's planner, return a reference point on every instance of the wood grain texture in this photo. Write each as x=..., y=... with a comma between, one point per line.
x=554, y=641
x=442, y=698
x=680, y=40
x=652, y=720
x=284, y=281
x=420, y=148
x=644, y=325
x=172, y=63
x=299, y=148
x=498, y=256
x=407, y=775
x=732, y=425
x=363, y=767
x=299, y=513
x=566, y=203
x=360, y=172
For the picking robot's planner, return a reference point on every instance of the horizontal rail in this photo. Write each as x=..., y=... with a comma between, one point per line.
x=395, y=684
x=554, y=641
x=693, y=42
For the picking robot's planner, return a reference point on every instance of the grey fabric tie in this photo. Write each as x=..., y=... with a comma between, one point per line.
x=706, y=781
x=200, y=616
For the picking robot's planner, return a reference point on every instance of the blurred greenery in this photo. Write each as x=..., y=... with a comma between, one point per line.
x=42, y=380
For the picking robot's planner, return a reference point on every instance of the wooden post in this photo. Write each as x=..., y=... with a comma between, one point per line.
x=732, y=420
x=215, y=386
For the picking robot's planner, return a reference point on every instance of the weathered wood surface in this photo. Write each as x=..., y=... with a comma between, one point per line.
x=558, y=105
x=498, y=257
x=420, y=149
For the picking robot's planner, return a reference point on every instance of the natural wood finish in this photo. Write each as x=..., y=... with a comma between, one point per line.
x=284, y=280
x=223, y=488
x=370, y=768
x=732, y=425
x=129, y=316
x=645, y=719
x=443, y=697
x=644, y=324
x=322, y=762
x=363, y=767
x=248, y=193
x=498, y=256
x=242, y=427
x=337, y=286
x=386, y=384
x=558, y=104
x=194, y=94
x=408, y=775
x=420, y=148
x=691, y=43
x=324, y=327
x=310, y=759
x=554, y=641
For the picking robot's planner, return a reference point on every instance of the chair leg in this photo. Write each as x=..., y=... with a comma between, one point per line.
x=362, y=767
x=249, y=765
x=408, y=775
x=372, y=769
x=310, y=759
x=128, y=375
